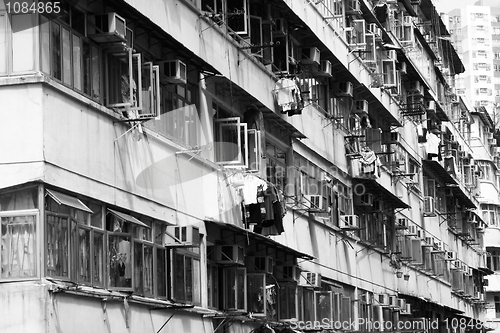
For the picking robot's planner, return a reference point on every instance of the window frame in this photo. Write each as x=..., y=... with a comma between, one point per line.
x=37, y=247
x=196, y=282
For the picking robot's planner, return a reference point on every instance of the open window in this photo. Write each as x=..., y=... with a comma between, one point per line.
x=235, y=288
x=389, y=73
x=262, y=296
x=150, y=91
x=355, y=34
x=237, y=16
x=323, y=305
x=124, y=79
x=237, y=146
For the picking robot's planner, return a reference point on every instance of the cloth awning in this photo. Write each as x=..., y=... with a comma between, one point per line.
x=127, y=218
x=261, y=239
x=67, y=200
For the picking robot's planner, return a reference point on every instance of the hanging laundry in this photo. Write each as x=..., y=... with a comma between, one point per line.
x=432, y=145
x=368, y=162
x=252, y=185
x=287, y=95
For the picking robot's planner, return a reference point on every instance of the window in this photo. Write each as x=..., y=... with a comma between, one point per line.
x=185, y=276
x=262, y=296
x=69, y=57
x=389, y=72
x=276, y=165
x=493, y=259
x=497, y=306
x=287, y=296
x=3, y=43
x=235, y=288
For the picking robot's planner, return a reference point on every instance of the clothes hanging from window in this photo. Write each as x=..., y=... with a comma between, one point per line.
x=368, y=162
x=450, y=165
x=287, y=95
x=432, y=145
x=252, y=185
x=381, y=12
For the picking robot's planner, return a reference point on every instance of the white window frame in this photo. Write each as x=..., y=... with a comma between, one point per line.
x=37, y=247
x=150, y=103
x=226, y=284
x=132, y=59
x=389, y=73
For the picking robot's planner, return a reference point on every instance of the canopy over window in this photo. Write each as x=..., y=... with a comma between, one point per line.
x=63, y=199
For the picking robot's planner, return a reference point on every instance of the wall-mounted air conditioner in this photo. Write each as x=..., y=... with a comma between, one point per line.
x=393, y=301
x=230, y=255
x=415, y=87
x=412, y=230
x=260, y=264
x=401, y=303
x=344, y=89
x=181, y=236
x=310, y=56
x=173, y=71
x=406, y=310
x=361, y=106
x=310, y=279
x=403, y=223
x=431, y=106
x=281, y=28
x=390, y=137
x=315, y=203
x=349, y=222
x=324, y=68
x=382, y=299
x=429, y=208
x=451, y=255
x=365, y=298
x=429, y=241
x=109, y=27
x=289, y=273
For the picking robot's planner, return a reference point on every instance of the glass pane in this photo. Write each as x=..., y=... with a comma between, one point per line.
x=19, y=200
x=57, y=246
x=96, y=72
x=148, y=270
x=230, y=288
x=256, y=293
x=3, y=45
x=196, y=282
x=98, y=259
x=189, y=278
x=323, y=305
x=178, y=275
x=86, y=67
x=83, y=266
x=18, y=247
x=138, y=268
x=161, y=272
x=23, y=57
x=56, y=50
x=66, y=56
x=77, y=63
x=120, y=264
x=287, y=301
x=96, y=216
x=240, y=288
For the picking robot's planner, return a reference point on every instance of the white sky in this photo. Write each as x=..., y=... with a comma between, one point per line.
x=444, y=6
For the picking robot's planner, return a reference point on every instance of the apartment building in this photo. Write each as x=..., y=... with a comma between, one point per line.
x=474, y=31
x=236, y=166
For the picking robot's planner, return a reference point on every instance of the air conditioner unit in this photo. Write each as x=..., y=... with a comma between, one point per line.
x=374, y=28
x=401, y=303
x=438, y=246
x=325, y=68
x=352, y=7
x=289, y=273
x=465, y=268
x=429, y=209
x=412, y=230
x=377, y=206
x=429, y=240
x=109, y=27
x=470, y=272
x=431, y=106
x=403, y=223
x=390, y=137
x=407, y=20
x=310, y=279
x=393, y=301
x=230, y=255
x=281, y=28
x=361, y=106
x=406, y=310
x=365, y=298
x=173, y=71
x=391, y=54
x=349, y=222
x=416, y=87
x=260, y=264
x=451, y=255
x=315, y=202
x=364, y=199
x=310, y=56
x=181, y=236
x=457, y=265
x=404, y=68
x=382, y=299
x=344, y=89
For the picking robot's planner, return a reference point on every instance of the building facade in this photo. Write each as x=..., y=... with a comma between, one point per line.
x=236, y=166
